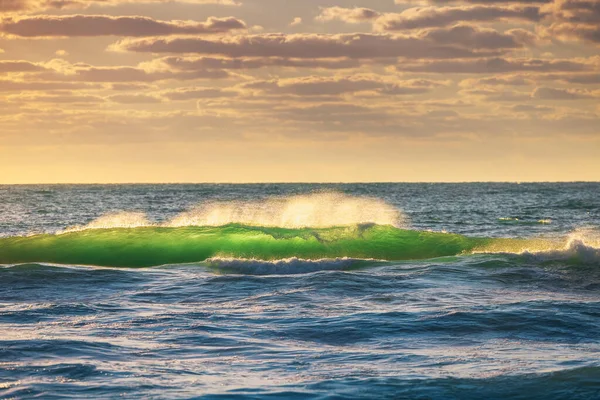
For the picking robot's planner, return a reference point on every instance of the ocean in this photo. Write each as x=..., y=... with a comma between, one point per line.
x=329, y=291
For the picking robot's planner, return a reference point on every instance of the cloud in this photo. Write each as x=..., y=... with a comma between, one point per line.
x=528, y=108
x=335, y=116
x=104, y=25
x=495, y=95
x=428, y=17
x=546, y=93
x=199, y=93
x=585, y=32
x=40, y=5
x=582, y=78
x=203, y=63
x=474, y=37
x=527, y=78
x=461, y=68
x=432, y=17
x=134, y=99
x=574, y=20
x=129, y=86
x=60, y=70
x=510, y=80
x=57, y=98
x=312, y=46
x=349, y=15
x=334, y=86
x=496, y=65
x=7, y=85
x=15, y=5
x=19, y=66
x=475, y=1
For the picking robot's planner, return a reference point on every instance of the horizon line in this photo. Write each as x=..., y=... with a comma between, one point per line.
x=291, y=183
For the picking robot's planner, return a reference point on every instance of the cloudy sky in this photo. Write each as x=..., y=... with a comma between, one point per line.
x=299, y=90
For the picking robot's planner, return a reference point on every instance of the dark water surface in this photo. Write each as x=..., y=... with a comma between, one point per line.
x=429, y=291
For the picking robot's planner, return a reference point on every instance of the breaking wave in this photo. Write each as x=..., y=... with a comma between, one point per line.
x=288, y=234
x=281, y=247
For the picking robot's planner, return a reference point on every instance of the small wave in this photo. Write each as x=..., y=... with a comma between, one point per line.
x=287, y=266
x=524, y=221
x=579, y=247
x=577, y=250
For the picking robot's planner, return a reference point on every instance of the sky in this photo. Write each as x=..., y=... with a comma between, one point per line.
x=115, y=91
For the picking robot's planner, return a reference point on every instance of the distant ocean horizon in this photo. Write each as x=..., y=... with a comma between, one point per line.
x=292, y=182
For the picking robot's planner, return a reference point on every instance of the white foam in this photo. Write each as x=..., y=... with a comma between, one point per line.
x=576, y=250
x=582, y=246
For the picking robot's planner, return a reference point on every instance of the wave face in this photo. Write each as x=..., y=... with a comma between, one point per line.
x=151, y=246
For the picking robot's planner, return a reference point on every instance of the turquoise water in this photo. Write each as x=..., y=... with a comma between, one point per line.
x=428, y=291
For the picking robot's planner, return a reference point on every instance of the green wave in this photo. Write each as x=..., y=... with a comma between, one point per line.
x=152, y=246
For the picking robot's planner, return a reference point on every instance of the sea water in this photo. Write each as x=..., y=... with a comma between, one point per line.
x=420, y=291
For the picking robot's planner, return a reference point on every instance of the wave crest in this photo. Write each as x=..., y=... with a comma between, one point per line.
x=576, y=251
x=316, y=210
x=581, y=247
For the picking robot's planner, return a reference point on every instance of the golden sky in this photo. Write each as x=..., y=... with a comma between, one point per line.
x=319, y=90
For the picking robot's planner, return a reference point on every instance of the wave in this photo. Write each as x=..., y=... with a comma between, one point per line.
x=581, y=247
x=317, y=231
x=152, y=246
x=524, y=221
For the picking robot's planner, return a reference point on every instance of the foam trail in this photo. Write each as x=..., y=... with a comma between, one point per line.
x=286, y=266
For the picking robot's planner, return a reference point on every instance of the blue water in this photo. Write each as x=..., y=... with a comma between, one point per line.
x=477, y=324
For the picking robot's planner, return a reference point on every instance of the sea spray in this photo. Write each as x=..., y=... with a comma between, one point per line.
x=315, y=210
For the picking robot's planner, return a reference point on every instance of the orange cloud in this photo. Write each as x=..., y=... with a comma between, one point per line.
x=104, y=25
